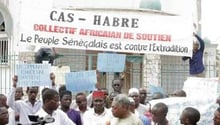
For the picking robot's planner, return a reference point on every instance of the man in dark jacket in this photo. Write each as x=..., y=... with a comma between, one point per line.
x=196, y=62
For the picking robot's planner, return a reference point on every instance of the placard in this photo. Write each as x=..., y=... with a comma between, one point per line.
x=60, y=73
x=81, y=81
x=109, y=62
x=33, y=74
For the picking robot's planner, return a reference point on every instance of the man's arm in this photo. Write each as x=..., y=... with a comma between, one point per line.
x=185, y=58
x=11, y=95
x=65, y=120
x=53, y=84
x=201, y=42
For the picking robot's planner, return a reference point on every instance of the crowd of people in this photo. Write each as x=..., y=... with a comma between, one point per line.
x=100, y=107
x=59, y=107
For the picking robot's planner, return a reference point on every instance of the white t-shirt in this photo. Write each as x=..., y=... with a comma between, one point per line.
x=59, y=116
x=91, y=118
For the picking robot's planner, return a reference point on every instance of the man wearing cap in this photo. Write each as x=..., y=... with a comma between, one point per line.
x=143, y=118
x=98, y=115
x=139, y=108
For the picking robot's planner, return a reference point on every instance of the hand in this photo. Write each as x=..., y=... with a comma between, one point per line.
x=15, y=80
x=107, y=123
x=52, y=78
x=194, y=33
x=17, y=116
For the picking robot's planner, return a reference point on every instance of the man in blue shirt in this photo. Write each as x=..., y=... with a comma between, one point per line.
x=196, y=62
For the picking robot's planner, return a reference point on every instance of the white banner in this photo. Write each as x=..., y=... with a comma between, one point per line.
x=196, y=87
x=107, y=30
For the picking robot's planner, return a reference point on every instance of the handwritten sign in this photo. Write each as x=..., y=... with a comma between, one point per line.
x=81, y=81
x=108, y=62
x=60, y=73
x=33, y=74
x=102, y=30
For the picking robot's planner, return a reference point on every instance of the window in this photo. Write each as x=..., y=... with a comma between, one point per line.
x=3, y=50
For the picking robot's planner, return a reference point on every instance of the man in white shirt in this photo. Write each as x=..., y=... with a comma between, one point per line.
x=81, y=103
x=98, y=115
x=25, y=107
x=50, y=99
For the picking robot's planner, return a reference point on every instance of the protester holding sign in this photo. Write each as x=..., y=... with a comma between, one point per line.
x=196, y=62
x=25, y=107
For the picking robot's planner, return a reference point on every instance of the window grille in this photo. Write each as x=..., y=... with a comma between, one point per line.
x=3, y=51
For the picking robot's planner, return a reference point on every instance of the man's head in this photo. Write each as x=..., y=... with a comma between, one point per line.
x=19, y=93
x=157, y=95
x=50, y=99
x=117, y=85
x=32, y=93
x=98, y=100
x=3, y=100
x=120, y=106
x=132, y=105
x=4, y=116
x=159, y=112
x=65, y=99
x=143, y=95
x=134, y=93
x=111, y=97
x=105, y=92
x=62, y=88
x=216, y=118
x=189, y=116
x=81, y=101
x=195, y=44
x=179, y=93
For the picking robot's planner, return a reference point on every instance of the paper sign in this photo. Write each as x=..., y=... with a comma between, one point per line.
x=81, y=81
x=33, y=74
x=108, y=62
x=60, y=73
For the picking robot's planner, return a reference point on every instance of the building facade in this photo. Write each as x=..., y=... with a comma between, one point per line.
x=168, y=72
